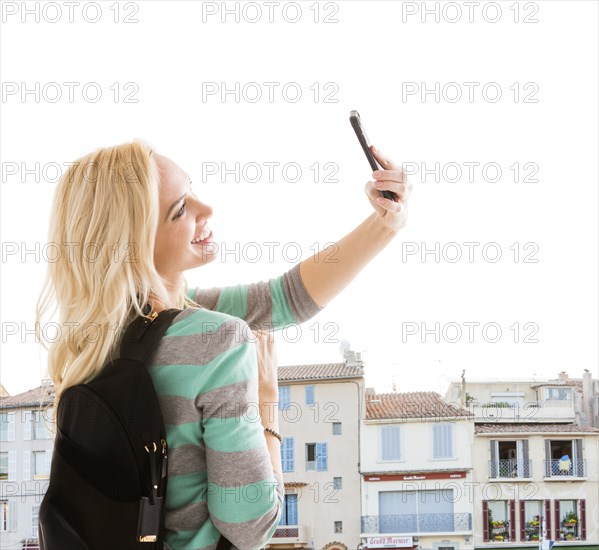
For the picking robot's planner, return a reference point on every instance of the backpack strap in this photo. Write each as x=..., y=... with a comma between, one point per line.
x=143, y=334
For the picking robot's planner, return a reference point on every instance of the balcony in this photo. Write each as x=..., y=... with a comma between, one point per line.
x=416, y=524
x=565, y=469
x=290, y=534
x=512, y=468
x=532, y=411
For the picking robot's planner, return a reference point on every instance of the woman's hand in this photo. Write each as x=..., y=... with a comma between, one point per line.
x=391, y=178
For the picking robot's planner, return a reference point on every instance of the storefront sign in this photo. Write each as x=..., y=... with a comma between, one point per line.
x=415, y=477
x=389, y=542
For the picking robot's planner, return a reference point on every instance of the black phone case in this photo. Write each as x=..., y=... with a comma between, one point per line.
x=354, y=118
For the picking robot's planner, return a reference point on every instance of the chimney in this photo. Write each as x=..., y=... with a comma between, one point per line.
x=46, y=382
x=563, y=375
x=369, y=393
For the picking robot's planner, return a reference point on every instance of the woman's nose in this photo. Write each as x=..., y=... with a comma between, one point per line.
x=204, y=210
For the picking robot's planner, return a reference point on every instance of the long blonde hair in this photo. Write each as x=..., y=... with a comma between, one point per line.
x=104, y=220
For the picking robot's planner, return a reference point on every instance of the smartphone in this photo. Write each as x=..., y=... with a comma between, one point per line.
x=354, y=118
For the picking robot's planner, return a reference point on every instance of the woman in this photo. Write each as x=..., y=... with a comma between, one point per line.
x=133, y=226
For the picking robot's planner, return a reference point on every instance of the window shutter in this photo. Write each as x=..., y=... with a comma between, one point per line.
x=578, y=463
x=512, y=504
x=583, y=519
x=548, y=519
x=556, y=518
x=321, y=456
x=309, y=395
x=494, y=464
x=485, y=521
x=547, y=458
x=10, y=435
x=12, y=515
x=12, y=466
x=522, y=522
x=26, y=465
x=27, y=425
x=526, y=470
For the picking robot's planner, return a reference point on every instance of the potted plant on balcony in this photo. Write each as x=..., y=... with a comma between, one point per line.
x=570, y=520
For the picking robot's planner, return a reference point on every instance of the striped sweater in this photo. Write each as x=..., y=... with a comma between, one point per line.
x=205, y=373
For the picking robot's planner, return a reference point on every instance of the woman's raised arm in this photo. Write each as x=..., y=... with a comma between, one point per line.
x=327, y=273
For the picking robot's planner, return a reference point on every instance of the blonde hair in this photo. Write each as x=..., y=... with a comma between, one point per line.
x=104, y=219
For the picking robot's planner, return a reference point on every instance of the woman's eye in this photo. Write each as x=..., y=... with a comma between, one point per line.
x=181, y=212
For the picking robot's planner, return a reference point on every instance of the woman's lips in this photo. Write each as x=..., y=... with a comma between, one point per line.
x=205, y=241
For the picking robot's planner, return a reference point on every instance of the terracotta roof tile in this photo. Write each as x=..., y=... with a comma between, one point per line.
x=516, y=427
x=294, y=484
x=424, y=404
x=325, y=371
x=42, y=395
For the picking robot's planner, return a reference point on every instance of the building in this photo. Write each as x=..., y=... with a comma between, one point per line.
x=416, y=473
x=535, y=462
x=26, y=443
x=319, y=416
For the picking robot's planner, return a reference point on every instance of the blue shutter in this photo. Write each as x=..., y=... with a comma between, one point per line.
x=390, y=443
x=309, y=395
x=284, y=397
x=443, y=441
x=321, y=457
x=287, y=454
x=289, y=515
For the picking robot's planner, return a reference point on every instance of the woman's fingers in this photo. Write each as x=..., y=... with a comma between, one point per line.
x=384, y=161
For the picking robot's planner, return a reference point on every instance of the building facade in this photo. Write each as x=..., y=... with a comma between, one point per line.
x=535, y=462
x=416, y=473
x=26, y=443
x=320, y=418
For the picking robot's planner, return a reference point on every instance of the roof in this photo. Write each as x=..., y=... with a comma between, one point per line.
x=423, y=404
x=571, y=382
x=523, y=427
x=326, y=371
x=294, y=484
x=42, y=395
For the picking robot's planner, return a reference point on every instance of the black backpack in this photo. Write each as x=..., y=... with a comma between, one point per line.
x=109, y=467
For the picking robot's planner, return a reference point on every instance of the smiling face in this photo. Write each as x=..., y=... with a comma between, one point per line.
x=183, y=238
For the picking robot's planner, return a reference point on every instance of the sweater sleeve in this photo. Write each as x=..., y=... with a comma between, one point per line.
x=265, y=305
x=244, y=495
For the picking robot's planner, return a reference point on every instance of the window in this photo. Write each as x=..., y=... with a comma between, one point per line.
x=309, y=395
x=316, y=456
x=532, y=519
x=417, y=511
x=442, y=440
x=4, y=519
x=7, y=426
x=510, y=459
x=564, y=457
x=336, y=428
x=39, y=429
x=337, y=484
x=558, y=394
x=3, y=466
x=568, y=519
x=287, y=454
x=35, y=514
x=284, y=397
x=40, y=465
x=390, y=447
x=338, y=527
x=289, y=515
x=499, y=522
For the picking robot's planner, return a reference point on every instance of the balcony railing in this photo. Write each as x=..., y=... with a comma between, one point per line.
x=570, y=468
x=510, y=468
x=529, y=411
x=289, y=534
x=416, y=523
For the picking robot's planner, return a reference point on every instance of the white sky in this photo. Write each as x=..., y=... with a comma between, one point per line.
x=365, y=61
